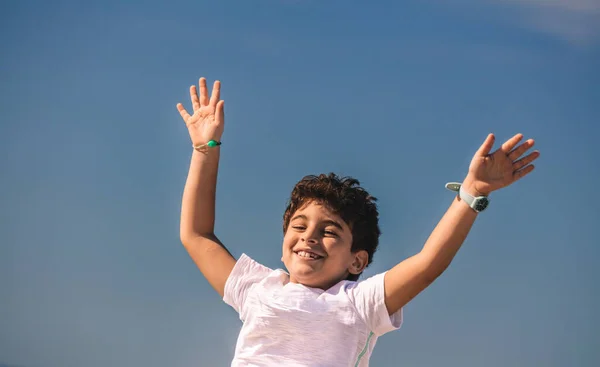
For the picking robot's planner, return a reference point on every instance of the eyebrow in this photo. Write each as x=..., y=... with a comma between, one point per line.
x=327, y=221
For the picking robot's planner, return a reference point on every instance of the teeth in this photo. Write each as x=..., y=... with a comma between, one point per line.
x=307, y=254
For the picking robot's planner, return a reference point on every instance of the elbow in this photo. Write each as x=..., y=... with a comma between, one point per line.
x=185, y=236
x=189, y=232
x=188, y=237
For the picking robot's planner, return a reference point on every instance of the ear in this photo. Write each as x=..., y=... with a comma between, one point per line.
x=361, y=259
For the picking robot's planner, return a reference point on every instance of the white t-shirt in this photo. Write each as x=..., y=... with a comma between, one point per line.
x=288, y=324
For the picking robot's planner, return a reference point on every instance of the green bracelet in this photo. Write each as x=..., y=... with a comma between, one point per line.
x=210, y=144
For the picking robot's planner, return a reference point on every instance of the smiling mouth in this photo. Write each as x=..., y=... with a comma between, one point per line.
x=306, y=255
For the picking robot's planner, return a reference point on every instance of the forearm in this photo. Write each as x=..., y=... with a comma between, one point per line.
x=447, y=237
x=198, y=204
x=487, y=173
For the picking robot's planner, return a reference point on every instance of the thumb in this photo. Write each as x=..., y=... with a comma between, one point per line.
x=486, y=147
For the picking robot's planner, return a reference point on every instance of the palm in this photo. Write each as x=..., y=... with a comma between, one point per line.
x=203, y=125
x=490, y=172
x=206, y=123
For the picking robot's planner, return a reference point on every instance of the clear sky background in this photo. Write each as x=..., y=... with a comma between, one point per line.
x=400, y=94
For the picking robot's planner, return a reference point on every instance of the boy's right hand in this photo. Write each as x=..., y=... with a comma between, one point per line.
x=206, y=123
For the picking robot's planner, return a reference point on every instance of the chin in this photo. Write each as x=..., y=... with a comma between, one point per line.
x=304, y=276
x=299, y=273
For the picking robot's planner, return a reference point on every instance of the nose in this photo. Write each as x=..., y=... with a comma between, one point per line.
x=310, y=237
x=309, y=240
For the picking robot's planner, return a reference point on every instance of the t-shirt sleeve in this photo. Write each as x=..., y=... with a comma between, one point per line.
x=369, y=300
x=244, y=276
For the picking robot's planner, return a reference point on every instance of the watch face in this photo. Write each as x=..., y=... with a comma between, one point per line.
x=481, y=204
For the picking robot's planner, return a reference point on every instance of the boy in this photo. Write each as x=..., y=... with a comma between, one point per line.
x=318, y=314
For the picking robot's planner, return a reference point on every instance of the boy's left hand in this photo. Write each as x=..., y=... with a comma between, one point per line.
x=492, y=171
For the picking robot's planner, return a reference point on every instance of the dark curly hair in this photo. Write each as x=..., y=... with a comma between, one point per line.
x=344, y=197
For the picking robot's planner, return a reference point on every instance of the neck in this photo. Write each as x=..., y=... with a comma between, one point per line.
x=325, y=285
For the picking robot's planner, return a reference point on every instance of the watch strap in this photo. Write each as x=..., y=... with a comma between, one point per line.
x=472, y=201
x=466, y=197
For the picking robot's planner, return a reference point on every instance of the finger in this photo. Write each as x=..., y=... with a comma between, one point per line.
x=220, y=111
x=216, y=93
x=523, y=172
x=518, y=151
x=510, y=143
x=487, y=145
x=203, y=92
x=184, y=114
x=526, y=160
x=194, y=97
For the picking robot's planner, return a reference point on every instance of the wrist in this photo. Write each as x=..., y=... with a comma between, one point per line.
x=475, y=199
x=471, y=187
x=203, y=157
x=206, y=147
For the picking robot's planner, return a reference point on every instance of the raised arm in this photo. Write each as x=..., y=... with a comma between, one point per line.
x=198, y=204
x=487, y=173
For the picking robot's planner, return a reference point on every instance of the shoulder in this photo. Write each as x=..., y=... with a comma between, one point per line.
x=246, y=262
x=247, y=267
x=373, y=284
x=368, y=298
x=248, y=271
x=245, y=278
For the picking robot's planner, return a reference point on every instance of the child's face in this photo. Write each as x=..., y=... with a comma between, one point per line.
x=317, y=248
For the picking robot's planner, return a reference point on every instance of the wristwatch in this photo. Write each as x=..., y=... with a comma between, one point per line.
x=477, y=203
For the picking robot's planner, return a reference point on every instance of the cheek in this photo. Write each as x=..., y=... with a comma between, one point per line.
x=289, y=240
x=337, y=246
x=334, y=245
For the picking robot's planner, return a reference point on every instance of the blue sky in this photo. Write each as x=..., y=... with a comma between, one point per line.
x=94, y=157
